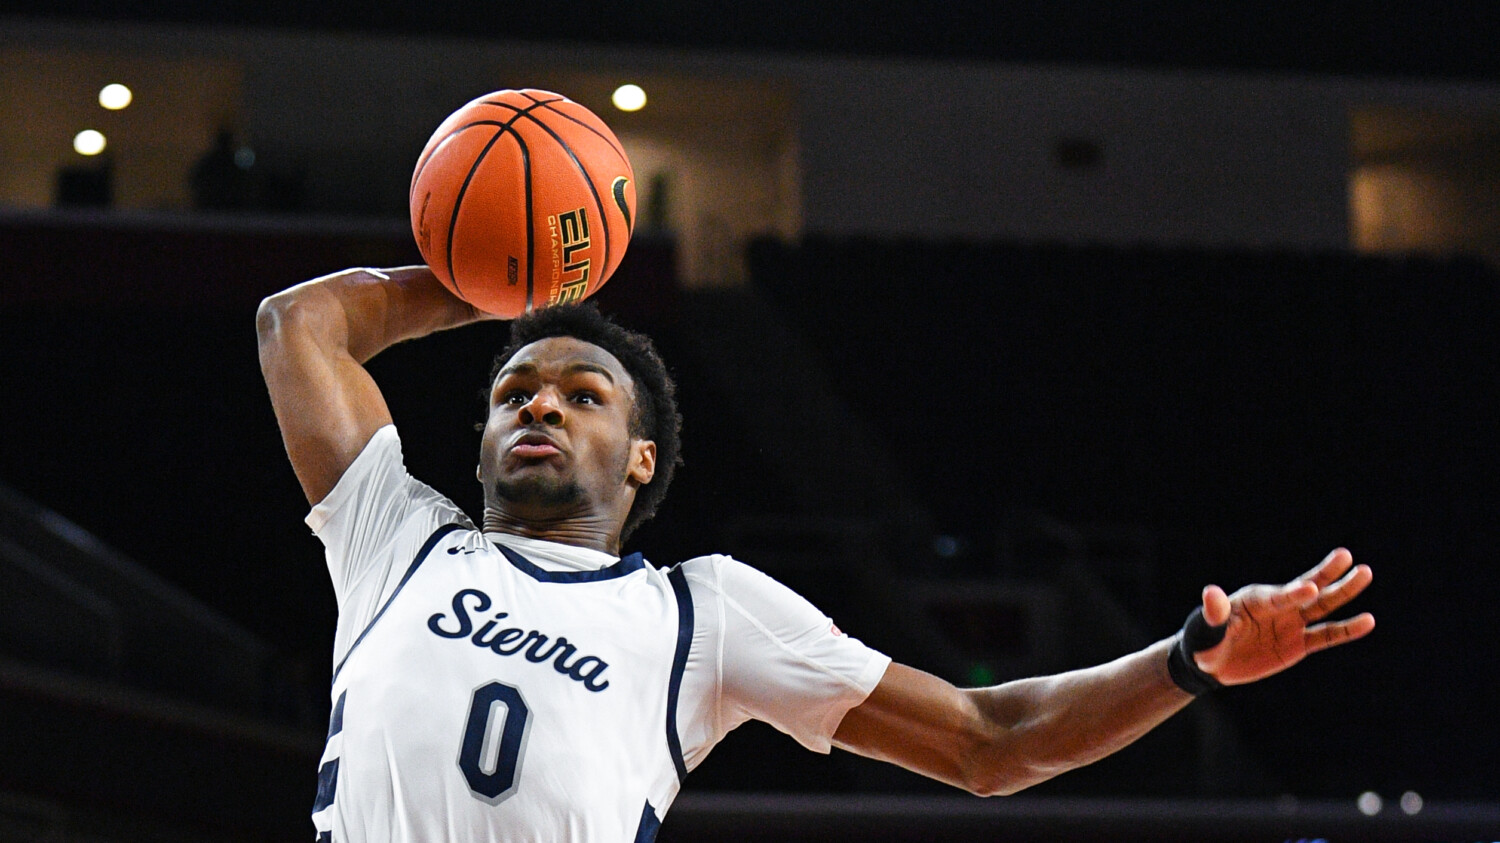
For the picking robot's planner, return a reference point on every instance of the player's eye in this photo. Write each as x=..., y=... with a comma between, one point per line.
x=584, y=396
x=515, y=397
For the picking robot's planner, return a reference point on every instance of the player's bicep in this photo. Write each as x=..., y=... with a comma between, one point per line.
x=326, y=403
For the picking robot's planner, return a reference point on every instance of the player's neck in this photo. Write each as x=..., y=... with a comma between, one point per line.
x=591, y=532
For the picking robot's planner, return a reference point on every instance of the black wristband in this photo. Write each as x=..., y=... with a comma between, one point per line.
x=1196, y=635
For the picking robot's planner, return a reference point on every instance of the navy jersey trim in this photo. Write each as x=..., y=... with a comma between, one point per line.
x=336, y=719
x=628, y=565
x=650, y=824
x=328, y=785
x=427, y=547
x=679, y=664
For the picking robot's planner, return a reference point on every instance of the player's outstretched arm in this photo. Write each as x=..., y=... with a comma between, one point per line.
x=1000, y=740
x=314, y=340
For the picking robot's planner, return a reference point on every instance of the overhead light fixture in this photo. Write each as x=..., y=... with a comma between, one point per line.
x=88, y=142
x=629, y=98
x=115, y=96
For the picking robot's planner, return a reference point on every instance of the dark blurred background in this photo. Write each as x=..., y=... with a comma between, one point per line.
x=999, y=331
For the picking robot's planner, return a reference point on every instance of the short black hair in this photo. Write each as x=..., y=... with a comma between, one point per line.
x=654, y=414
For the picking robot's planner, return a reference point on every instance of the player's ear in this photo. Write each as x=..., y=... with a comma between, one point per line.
x=479, y=473
x=642, y=461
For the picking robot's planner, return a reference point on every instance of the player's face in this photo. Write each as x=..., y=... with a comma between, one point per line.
x=557, y=442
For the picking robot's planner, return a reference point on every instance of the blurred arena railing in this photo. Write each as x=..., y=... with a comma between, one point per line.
x=751, y=818
x=126, y=701
x=73, y=604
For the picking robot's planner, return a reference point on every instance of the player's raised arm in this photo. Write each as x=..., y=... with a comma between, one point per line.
x=1002, y=739
x=315, y=338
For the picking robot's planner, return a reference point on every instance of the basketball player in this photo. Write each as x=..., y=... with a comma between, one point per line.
x=520, y=680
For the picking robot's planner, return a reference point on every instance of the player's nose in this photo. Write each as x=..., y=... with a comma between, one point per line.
x=546, y=405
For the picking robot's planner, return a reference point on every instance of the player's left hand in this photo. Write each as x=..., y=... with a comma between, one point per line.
x=1270, y=628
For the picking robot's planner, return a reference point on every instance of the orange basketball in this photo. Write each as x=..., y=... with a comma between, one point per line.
x=522, y=200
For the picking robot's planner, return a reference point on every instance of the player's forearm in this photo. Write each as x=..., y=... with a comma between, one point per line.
x=1058, y=723
x=362, y=312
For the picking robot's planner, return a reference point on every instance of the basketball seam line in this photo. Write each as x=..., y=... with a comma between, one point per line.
x=530, y=223
x=587, y=176
x=613, y=144
x=463, y=189
x=588, y=179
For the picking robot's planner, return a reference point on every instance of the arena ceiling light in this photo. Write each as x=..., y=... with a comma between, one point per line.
x=629, y=98
x=115, y=96
x=88, y=142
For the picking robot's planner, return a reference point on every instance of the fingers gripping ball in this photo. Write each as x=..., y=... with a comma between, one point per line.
x=522, y=200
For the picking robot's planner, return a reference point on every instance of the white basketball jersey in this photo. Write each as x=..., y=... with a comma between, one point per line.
x=492, y=700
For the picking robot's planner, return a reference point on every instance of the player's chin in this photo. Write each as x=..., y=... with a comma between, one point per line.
x=536, y=488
